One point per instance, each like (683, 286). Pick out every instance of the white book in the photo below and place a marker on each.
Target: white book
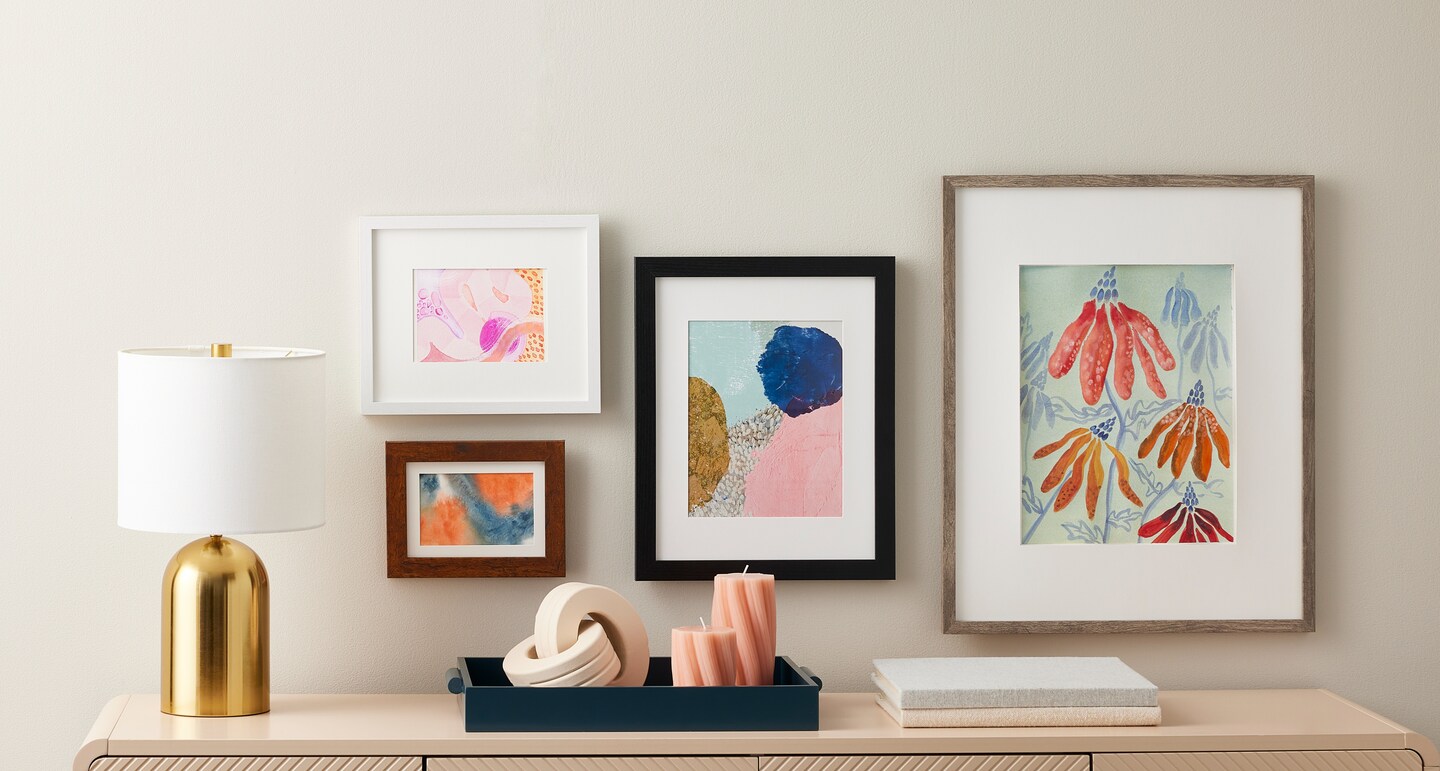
(953, 683)
(1020, 717)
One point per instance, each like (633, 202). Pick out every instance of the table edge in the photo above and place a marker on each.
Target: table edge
(102, 741)
(1422, 746)
(97, 741)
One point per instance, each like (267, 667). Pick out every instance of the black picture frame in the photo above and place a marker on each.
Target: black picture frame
(647, 270)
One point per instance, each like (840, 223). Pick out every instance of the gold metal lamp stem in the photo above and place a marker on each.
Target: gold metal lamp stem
(215, 627)
(215, 631)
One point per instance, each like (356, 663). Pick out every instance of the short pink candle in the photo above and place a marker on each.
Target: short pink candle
(702, 655)
(746, 603)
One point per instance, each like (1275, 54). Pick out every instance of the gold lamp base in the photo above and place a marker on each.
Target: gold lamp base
(215, 631)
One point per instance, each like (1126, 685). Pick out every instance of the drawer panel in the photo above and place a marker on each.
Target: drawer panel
(256, 764)
(926, 763)
(592, 764)
(1368, 760)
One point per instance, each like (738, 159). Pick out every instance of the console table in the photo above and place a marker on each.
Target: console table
(1204, 730)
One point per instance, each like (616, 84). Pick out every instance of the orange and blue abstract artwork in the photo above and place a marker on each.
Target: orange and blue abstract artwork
(477, 509)
(765, 419)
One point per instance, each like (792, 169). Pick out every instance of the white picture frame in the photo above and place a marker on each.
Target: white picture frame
(393, 248)
(1263, 579)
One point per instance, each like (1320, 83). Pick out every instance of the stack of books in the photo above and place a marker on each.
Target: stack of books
(1013, 692)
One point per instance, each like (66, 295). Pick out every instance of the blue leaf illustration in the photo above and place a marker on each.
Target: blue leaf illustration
(1083, 531)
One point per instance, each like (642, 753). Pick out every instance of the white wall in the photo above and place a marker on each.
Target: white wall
(188, 172)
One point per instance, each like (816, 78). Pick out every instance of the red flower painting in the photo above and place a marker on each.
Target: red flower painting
(1106, 438)
(1106, 332)
(1186, 520)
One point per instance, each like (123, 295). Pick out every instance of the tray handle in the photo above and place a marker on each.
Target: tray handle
(810, 674)
(453, 683)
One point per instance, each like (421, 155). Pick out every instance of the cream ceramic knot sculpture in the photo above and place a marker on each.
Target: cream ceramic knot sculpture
(585, 635)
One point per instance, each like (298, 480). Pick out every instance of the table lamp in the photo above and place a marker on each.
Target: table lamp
(219, 440)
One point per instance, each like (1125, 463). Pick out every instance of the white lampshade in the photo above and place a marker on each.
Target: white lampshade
(222, 445)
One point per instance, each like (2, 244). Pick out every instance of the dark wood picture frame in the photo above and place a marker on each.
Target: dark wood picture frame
(647, 270)
(400, 564)
(1306, 185)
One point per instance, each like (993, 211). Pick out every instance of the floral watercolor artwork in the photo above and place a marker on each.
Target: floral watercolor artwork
(477, 509)
(765, 419)
(485, 315)
(1127, 404)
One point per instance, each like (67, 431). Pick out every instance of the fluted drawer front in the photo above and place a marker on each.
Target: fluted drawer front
(256, 764)
(927, 763)
(591, 764)
(1369, 760)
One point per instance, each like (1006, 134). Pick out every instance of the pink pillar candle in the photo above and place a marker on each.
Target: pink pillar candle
(702, 655)
(746, 603)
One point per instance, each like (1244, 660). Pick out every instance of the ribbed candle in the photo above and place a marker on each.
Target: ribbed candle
(745, 602)
(702, 655)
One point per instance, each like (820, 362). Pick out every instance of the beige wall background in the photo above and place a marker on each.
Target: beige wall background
(176, 172)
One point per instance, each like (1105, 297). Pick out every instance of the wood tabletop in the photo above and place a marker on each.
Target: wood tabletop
(850, 723)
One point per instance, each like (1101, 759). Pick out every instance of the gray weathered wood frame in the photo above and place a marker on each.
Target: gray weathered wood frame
(1306, 185)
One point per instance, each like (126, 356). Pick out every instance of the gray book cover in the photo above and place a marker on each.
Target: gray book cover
(948, 683)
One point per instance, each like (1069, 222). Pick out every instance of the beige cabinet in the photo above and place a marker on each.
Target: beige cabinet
(1385, 760)
(257, 764)
(593, 764)
(1263, 730)
(927, 763)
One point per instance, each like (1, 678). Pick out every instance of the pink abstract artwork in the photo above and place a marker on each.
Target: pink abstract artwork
(799, 472)
(480, 315)
(765, 417)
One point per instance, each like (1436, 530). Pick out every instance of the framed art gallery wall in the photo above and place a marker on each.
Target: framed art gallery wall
(164, 185)
(1258, 230)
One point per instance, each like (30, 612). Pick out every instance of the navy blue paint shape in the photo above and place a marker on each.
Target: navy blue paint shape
(800, 369)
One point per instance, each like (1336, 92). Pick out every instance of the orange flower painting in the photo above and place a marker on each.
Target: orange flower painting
(1083, 460)
(1088, 432)
(1190, 426)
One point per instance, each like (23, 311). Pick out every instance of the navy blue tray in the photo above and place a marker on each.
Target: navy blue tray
(490, 703)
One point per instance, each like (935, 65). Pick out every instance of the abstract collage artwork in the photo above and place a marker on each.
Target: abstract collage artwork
(765, 432)
(477, 509)
(480, 315)
(765, 419)
(1127, 404)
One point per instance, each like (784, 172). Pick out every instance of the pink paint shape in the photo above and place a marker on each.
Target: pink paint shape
(799, 473)
(435, 354)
